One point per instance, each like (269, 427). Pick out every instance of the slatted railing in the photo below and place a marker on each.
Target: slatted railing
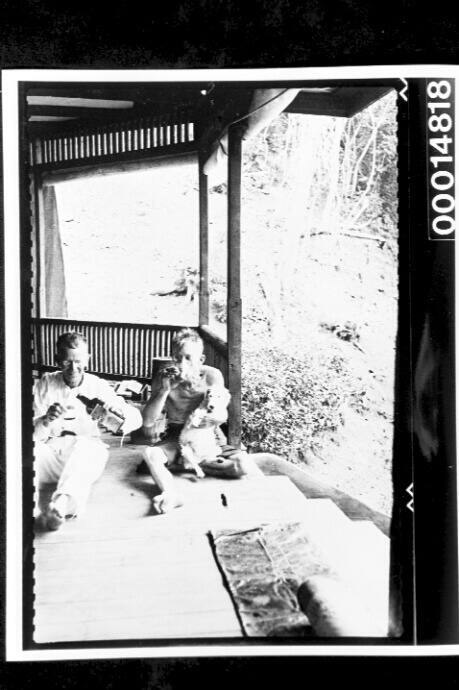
(118, 350)
(106, 141)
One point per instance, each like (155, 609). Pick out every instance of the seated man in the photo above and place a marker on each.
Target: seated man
(178, 391)
(68, 448)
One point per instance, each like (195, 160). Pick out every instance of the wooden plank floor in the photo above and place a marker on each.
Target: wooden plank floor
(122, 572)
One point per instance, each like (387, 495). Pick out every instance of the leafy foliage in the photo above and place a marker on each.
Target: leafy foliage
(289, 402)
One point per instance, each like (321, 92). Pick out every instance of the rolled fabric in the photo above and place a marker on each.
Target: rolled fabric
(333, 609)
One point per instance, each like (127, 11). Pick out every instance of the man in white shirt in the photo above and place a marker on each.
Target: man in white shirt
(68, 448)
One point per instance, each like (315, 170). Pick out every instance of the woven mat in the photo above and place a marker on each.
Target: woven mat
(263, 568)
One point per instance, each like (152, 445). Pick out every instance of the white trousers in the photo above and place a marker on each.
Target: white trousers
(74, 463)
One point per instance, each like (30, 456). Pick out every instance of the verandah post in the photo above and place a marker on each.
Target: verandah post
(203, 245)
(234, 315)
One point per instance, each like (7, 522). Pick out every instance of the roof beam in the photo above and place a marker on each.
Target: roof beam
(87, 118)
(74, 111)
(80, 102)
(159, 92)
(130, 161)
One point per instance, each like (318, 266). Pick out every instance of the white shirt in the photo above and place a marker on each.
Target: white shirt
(51, 388)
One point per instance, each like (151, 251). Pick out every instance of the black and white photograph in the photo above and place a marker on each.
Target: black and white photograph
(228, 377)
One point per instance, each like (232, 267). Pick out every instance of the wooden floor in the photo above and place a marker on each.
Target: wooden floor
(121, 572)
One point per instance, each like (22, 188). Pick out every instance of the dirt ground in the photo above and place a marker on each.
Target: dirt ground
(358, 457)
(128, 237)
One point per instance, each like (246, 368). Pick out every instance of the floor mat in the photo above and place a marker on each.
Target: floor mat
(263, 568)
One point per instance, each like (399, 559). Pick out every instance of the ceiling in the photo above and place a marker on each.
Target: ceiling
(58, 107)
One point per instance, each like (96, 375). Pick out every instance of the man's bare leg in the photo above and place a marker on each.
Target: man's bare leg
(169, 498)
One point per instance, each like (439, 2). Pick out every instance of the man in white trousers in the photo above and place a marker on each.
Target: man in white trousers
(68, 449)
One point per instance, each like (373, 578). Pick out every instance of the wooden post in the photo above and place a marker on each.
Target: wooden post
(41, 245)
(35, 191)
(38, 261)
(234, 316)
(203, 246)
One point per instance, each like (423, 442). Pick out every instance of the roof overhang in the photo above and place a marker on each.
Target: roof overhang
(52, 108)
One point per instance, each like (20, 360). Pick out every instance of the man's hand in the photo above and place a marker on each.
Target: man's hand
(170, 378)
(54, 412)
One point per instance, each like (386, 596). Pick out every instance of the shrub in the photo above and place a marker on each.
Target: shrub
(289, 402)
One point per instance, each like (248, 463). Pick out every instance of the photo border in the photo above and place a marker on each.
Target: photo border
(18, 297)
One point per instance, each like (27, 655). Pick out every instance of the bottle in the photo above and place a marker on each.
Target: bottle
(102, 413)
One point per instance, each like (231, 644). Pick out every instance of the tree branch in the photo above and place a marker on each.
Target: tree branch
(354, 235)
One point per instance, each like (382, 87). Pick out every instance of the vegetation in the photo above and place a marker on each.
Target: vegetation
(321, 216)
(288, 402)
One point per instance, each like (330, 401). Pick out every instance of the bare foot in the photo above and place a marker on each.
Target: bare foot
(57, 511)
(167, 501)
(52, 519)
